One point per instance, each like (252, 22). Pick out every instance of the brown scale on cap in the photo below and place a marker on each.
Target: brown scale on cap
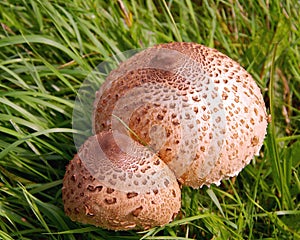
(194, 107)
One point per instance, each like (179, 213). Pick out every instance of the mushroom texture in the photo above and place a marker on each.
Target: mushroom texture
(190, 108)
(123, 192)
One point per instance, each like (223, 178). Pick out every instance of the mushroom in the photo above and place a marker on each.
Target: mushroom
(192, 107)
(123, 192)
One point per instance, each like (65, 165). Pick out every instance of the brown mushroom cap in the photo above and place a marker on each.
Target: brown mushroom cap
(209, 112)
(126, 197)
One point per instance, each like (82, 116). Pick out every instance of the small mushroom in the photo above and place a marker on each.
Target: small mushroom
(131, 194)
(192, 107)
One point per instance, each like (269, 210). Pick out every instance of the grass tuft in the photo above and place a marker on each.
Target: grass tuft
(47, 49)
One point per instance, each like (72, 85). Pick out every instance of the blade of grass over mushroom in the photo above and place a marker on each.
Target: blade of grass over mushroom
(131, 131)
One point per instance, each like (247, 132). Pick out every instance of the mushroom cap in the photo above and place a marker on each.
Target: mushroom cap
(139, 191)
(198, 109)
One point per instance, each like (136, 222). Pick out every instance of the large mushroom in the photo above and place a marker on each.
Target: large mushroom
(192, 107)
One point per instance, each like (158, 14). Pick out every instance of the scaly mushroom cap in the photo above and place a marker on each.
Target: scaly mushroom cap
(121, 190)
(200, 110)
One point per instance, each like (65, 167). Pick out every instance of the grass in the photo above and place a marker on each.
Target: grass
(47, 48)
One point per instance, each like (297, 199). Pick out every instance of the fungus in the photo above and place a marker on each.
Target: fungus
(121, 205)
(185, 113)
